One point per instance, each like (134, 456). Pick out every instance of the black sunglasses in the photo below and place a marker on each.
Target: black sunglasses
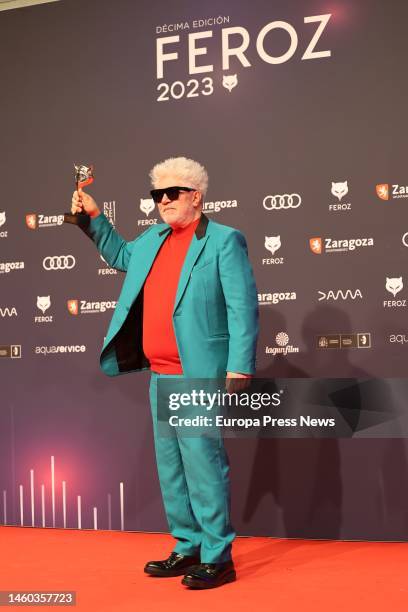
(171, 192)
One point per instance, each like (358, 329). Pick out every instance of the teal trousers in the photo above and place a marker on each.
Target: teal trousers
(194, 480)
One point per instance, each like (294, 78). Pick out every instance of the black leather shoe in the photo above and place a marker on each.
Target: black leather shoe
(210, 575)
(175, 565)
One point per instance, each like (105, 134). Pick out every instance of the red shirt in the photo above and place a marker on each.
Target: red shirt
(159, 340)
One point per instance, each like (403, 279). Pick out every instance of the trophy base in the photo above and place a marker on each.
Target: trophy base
(80, 219)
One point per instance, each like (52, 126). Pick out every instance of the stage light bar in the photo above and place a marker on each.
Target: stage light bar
(7, 5)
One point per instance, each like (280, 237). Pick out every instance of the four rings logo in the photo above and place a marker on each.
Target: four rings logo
(279, 202)
(59, 262)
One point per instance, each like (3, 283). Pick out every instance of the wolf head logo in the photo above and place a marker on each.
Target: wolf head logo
(2, 218)
(43, 303)
(146, 205)
(272, 243)
(394, 285)
(229, 81)
(339, 190)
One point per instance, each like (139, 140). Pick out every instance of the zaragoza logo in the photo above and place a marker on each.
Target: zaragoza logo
(31, 221)
(383, 191)
(316, 245)
(73, 307)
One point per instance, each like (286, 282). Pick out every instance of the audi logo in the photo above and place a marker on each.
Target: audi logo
(59, 262)
(279, 202)
(405, 239)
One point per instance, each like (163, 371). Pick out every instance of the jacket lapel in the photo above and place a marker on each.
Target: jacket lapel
(196, 246)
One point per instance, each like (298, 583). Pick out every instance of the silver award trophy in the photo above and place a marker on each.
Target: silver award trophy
(83, 176)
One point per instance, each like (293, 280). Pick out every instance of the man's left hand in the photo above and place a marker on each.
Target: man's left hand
(236, 381)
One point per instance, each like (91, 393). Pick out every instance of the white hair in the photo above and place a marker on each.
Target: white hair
(190, 173)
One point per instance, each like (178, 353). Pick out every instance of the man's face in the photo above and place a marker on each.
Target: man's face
(180, 212)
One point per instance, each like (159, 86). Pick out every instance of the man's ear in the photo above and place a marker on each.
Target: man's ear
(198, 198)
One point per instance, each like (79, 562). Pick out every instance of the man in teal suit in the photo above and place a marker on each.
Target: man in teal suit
(188, 308)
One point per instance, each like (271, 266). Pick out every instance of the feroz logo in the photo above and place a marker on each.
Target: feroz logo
(43, 304)
(272, 243)
(59, 262)
(146, 205)
(233, 47)
(316, 245)
(229, 81)
(339, 190)
(282, 202)
(73, 307)
(108, 271)
(394, 285)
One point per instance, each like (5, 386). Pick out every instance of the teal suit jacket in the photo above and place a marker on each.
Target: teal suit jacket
(215, 314)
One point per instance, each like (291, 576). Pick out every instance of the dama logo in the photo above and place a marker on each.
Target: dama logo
(31, 221)
(73, 307)
(316, 245)
(383, 191)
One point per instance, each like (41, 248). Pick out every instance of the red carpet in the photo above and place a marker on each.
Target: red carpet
(106, 571)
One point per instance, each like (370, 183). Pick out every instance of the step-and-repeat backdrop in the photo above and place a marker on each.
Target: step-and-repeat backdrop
(298, 111)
